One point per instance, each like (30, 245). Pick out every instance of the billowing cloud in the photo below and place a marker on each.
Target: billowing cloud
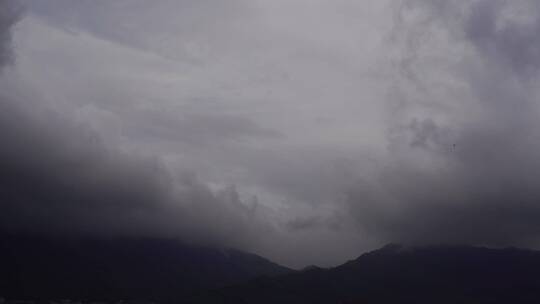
(306, 131)
(463, 153)
(82, 157)
(9, 14)
(59, 178)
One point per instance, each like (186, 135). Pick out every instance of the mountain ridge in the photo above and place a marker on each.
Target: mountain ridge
(398, 274)
(121, 268)
(170, 271)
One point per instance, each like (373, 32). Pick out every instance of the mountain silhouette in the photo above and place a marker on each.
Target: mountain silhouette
(398, 274)
(138, 269)
(170, 271)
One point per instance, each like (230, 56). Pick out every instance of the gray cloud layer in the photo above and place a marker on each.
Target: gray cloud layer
(466, 169)
(8, 16)
(410, 121)
(59, 178)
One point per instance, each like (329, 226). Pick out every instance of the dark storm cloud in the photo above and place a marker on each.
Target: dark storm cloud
(58, 178)
(307, 223)
(78, 106)
(9, 14)
(286, 107)
(471, 176)
(512, 43)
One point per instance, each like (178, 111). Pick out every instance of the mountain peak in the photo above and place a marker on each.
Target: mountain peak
(402, 274)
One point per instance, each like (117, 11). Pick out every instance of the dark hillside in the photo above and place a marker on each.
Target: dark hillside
(154, 269)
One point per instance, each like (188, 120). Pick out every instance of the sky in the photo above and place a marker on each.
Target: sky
(306, 131)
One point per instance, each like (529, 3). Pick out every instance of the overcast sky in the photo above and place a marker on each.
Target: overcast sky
(307, 131)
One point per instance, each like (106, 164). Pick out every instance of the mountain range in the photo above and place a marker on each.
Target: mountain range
(124, 268)
(399, 274)
(170, 271)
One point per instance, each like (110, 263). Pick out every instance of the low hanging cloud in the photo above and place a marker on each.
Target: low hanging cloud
(9, 15)
(412, 125)
(58, 178)
(463, 164)
(66, 170)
